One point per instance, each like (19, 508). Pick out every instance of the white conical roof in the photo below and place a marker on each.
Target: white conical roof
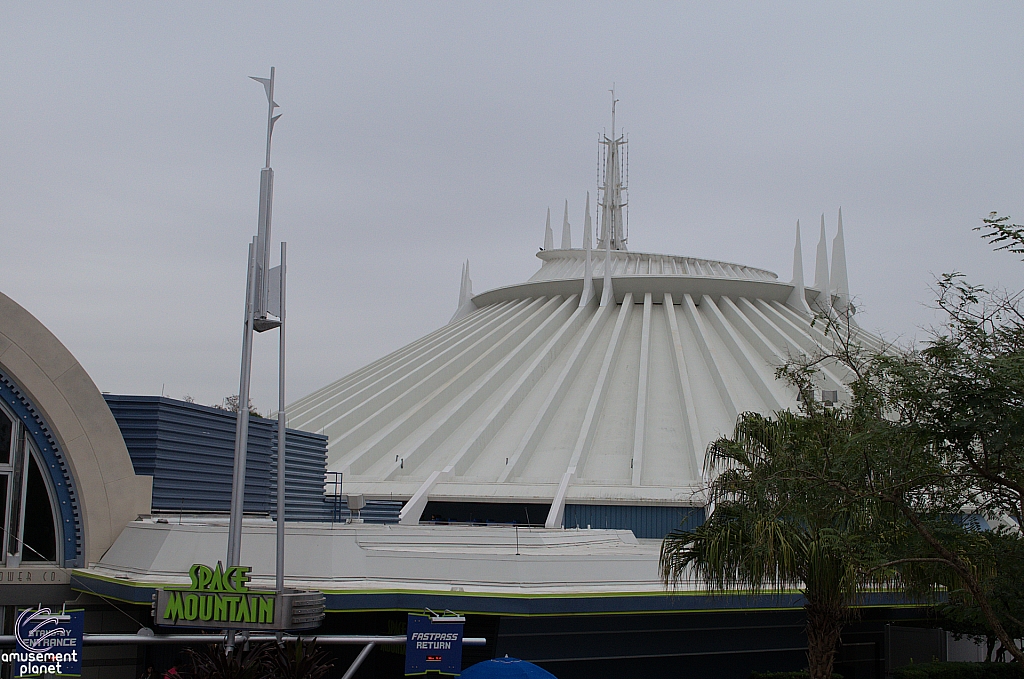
(534, 398)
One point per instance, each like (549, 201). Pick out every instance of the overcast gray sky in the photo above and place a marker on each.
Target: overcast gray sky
(416, 135)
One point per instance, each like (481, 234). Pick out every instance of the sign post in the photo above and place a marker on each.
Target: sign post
(433, 643)
(48, 643)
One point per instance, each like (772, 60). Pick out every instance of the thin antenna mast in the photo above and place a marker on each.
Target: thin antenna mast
(612, 225)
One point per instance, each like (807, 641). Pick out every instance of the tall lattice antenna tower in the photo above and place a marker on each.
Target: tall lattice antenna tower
(612, 189)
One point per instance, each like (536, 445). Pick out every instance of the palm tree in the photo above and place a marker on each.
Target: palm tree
(771, 530)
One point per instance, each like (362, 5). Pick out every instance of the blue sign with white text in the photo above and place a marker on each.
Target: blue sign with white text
(432, 645)
(48, 642)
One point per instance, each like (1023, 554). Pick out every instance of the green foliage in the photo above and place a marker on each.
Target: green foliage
(998, 231)
(230, 404)
(293, 660)
(772, 530)
(936, 446)
(959, 670)
(211, 662)
(892, 486)
(1005, 589)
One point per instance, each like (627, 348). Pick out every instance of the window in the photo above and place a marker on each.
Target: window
(28, 524)
(6, 429)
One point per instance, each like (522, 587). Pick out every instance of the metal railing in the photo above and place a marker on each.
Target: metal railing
(333, 487)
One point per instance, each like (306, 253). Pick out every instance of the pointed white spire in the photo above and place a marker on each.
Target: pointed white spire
(566, 233)
(798, 298)
(824, 299)
(607, 294)
(466, 305)
(840, 282)
(549, 238)
(588, 269)
(466, 291)
(587, 244)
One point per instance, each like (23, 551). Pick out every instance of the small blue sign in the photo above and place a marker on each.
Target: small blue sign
(433, 645)
(48, 642)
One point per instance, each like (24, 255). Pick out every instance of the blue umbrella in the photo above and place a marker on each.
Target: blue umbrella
(506, 668)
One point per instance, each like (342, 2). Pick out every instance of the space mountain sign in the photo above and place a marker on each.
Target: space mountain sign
(220, 598)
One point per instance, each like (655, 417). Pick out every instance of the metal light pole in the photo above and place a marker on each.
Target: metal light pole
(242, 421)
(265, 290)
(281, 431)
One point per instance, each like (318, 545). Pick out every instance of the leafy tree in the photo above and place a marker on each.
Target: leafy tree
(939, 436)
(883, 487)
(963, 617)
(230, 404)
(771, 530)
(998, 231)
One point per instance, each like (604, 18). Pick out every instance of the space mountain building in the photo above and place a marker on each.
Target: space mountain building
(520, 466)
(586, 395)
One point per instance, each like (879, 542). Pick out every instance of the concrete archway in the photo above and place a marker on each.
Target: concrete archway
(92, 462)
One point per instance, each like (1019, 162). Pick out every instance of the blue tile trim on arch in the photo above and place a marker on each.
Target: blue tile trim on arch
(54, 457)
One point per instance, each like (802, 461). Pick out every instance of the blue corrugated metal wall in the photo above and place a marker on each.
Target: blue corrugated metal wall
(189, 451)
(644, 520)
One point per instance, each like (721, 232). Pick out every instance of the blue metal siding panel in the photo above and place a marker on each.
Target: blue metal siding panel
(646, 521)
(189, 451)
(305, 475)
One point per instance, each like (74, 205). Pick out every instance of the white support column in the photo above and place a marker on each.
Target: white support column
(685, 392)
(364, 415)
(528, 442)
(305, 409)
(714, 369)
(424, 427)
(765, 387)
(340, 399)
(585, 439)
(396, 419)
(813, 340)
(781, 341)
(551, 333)
(607, 294)
(640, 424)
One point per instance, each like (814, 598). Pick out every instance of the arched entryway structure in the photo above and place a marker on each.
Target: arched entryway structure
(63, 448)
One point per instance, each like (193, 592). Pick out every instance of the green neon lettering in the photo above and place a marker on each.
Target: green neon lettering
(266, 609)
(193, 574)
(232, 607)
(191, 606)
(220, 580)
(240, 578)
(220, 609)
(206, 577)
(174, 610)
(245, 613)
(206, 606)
